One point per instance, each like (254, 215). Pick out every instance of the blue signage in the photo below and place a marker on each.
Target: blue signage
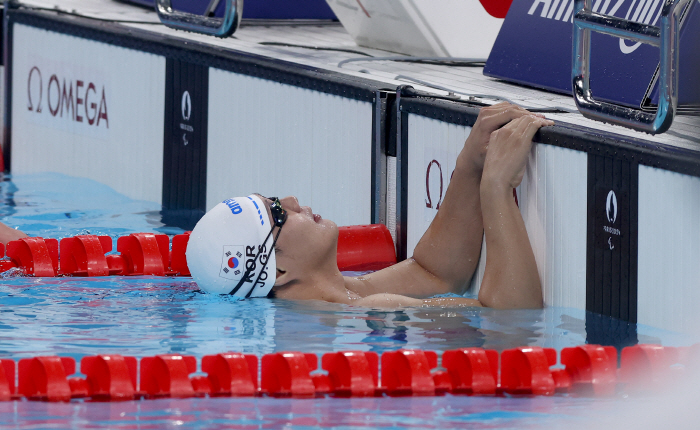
(534, 48)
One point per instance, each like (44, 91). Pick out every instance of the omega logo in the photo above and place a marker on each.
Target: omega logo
(611, 207)
(29, 89)
(186, 106)
(73, 100)
(429, 201)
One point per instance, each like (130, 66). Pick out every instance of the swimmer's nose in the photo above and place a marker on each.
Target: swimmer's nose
(290, 203)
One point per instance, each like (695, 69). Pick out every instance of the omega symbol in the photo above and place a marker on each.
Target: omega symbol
(611, 207)
(31, 106)
(186, 106)
(429, 201)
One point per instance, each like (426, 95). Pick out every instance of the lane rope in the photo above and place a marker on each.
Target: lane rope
(586, 370)
(360, 248)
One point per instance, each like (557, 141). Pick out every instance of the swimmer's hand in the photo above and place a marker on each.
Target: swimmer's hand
(508, 151)
(490, 119)
(8, 234)
(393, 301)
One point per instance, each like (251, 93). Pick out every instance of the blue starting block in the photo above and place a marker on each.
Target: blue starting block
(534, 48)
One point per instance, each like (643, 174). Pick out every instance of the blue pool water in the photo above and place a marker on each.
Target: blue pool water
(144, 316)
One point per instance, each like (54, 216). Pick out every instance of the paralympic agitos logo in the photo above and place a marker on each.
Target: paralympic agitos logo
(71, 99)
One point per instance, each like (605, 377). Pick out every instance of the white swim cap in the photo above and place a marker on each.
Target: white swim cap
(226, 241)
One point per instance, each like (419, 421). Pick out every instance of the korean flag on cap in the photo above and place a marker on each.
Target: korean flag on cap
(232, 262)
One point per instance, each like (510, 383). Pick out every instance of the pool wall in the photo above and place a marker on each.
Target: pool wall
(620, 243)
(611, 218)
(669, 248)
(552, 197)
(173, 117)
(75, 113)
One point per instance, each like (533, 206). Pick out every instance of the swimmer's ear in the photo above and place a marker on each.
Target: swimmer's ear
(282, 276)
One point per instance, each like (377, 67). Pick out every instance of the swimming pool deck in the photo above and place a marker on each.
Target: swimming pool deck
(327, 45)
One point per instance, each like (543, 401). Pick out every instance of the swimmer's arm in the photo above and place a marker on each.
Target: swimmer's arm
(407, 278)
(392, 301)
(8, 234)
(447, 255)
(451, 246)
(510, 276)
(510, 279)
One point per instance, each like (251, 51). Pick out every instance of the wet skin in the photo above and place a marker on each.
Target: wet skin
(478, 201)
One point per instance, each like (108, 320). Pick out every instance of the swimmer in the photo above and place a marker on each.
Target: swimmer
(257, 246)
(8, 234)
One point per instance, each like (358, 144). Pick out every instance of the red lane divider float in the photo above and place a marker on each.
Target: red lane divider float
(167, 375)
(35, 255)
(178, 262)
(591, 368)
(44, 378)
(289, 374)
(85, 256)
(525, 370)
(110, 377)
(588, 370)
(7, 380)
(231, 374)
(360, 248)
(365, 247)
(406, 372)
(472, 370)
(352, 373)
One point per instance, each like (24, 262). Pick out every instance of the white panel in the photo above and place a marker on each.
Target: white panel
(553, 201)
(433, 147)
(281, 140)
(431, 144)
(116, 139)
(668, 284)
(391, 196)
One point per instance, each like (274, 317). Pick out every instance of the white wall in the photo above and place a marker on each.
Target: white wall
(429, 140)
(281, 140)
(669, 250)
(553, 201)
(126, 150)
(391, 196)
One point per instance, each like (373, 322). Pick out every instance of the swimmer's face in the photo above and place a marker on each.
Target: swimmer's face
(306, 242)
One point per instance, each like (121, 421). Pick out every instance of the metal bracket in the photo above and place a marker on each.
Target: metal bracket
(666, 37)
(205, 24)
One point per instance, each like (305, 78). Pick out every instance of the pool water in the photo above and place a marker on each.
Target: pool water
(144, 316)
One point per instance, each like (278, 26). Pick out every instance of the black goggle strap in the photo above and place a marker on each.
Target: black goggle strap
(267, 258)
(248, 270)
